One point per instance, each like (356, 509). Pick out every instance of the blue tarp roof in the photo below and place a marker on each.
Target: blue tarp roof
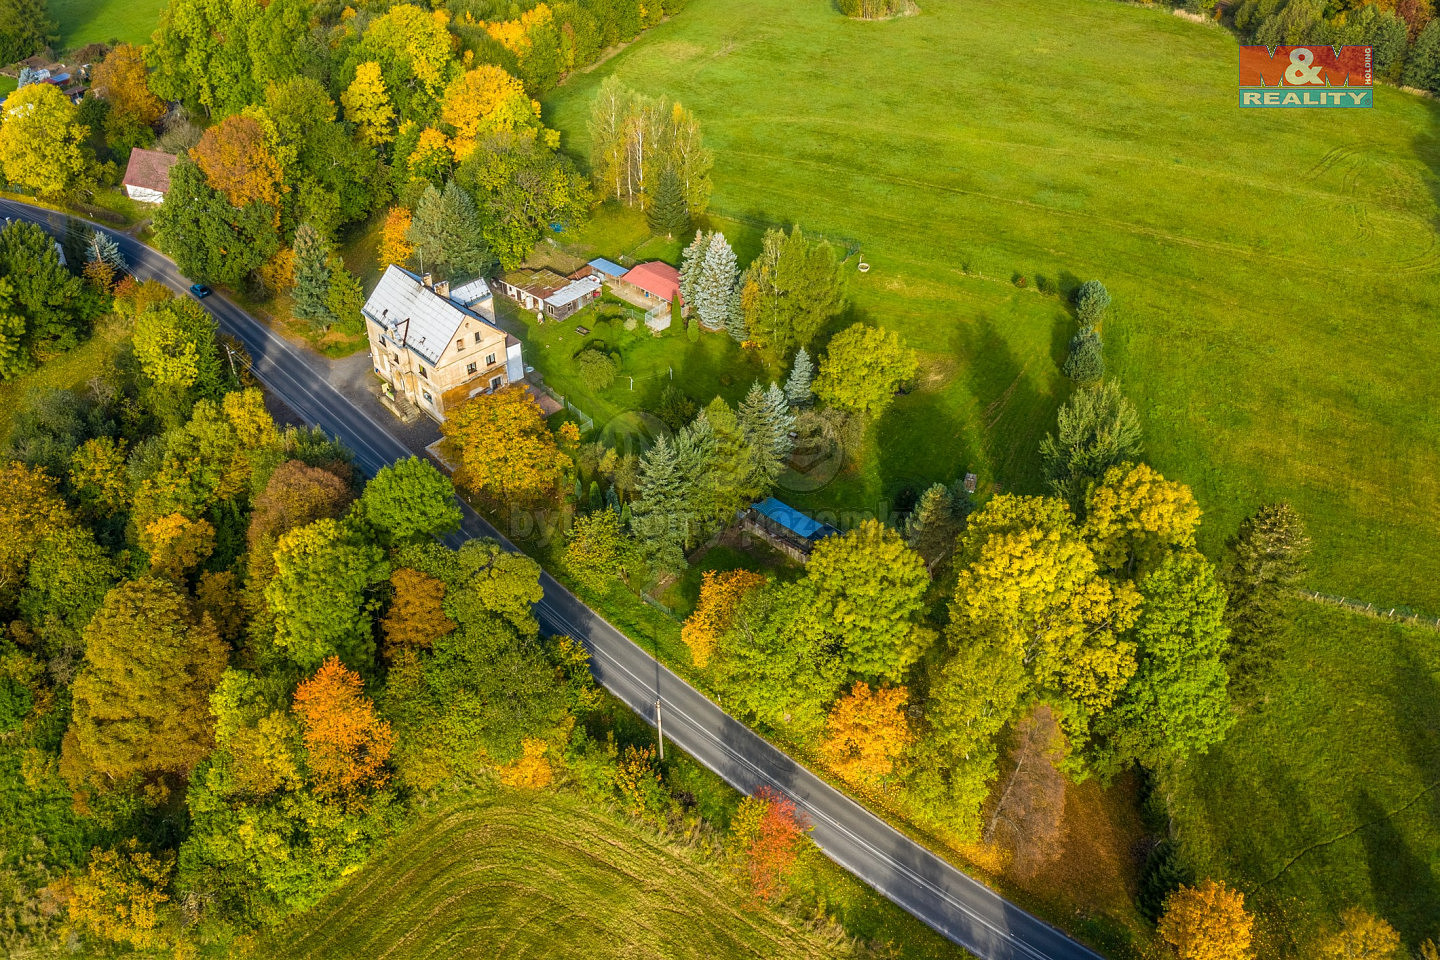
(793, 520)
(607, 267)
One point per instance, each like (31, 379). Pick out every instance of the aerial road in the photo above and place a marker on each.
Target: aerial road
(960, 908)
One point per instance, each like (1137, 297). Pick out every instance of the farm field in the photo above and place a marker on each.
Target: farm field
(538, 875)
(100, 21)
(1273, 271)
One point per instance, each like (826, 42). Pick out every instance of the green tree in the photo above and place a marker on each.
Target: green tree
(791, 291)
(776, 662)
(312, 278)
(447, 233)
(1263, 562)
(346, 298)
(211, 241)
(322, 572)
(49, 307)
(862, 369)
(43, 147)
(669, 214)
(411, 500)
(766, 423)
(661, 518)
(1091, 302)
(521, 187)
(141, 700)
(714, 283)
(1176, 704)
(870, 592)
(933, 525)
(802, 372)
(1085, 363)
(25, 28)
(599, 551)
(69, 576)
(1097, 429)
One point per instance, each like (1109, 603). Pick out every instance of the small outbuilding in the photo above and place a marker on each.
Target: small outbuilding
(147, 176)
(547, 292)
(785, 528)
(654, 280)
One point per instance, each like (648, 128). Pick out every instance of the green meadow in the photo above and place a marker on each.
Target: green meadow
(100, 21)
(1275, 272)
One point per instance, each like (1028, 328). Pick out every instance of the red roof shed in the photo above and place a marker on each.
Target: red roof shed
(656, 278)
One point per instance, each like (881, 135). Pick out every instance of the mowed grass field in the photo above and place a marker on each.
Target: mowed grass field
(1275, 273)
(100, 21)
(537, 875)
(1327, 795)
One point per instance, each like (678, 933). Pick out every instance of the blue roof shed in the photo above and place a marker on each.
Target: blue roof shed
(793, 520)
(611, 269)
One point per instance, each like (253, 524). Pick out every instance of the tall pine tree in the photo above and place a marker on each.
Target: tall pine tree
(668, 213)
(716, 283)
(692, 262)
(311, 292)
(448, 234)
(766, 422)
(660, 519)
(802, 373)
(735, 317)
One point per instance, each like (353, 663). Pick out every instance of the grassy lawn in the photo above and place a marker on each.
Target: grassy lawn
(92, 21)
(68, 371)
(1271, 356)
(544, 875)
(1328, 794)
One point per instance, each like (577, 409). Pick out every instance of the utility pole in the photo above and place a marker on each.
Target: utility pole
(231, 354)
(659, 730)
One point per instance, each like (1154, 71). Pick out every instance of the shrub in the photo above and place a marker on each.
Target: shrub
(876, 9)
(597, 369)
(1086, 363)
(1091, 301)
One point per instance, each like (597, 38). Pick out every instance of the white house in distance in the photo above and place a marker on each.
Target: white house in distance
(438, 347)
(147, 175)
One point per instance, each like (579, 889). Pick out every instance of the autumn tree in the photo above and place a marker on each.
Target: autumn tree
(68, 578)
(1028, 814)
(790, 291)
(720, 593)
(367, 105)
(1207, 922)
(409, 500)
(416, 616)
(239, 164)
(866, 732)
(122, 79)
(505, 451)
(395, 245)
(1097, 429)
(42, 143)
(141, 700)
(176, 544)
(1362, 936)
(486, 100)
(1263, 561)
(317, 597)
(767, 834)
(31, 511)
(1134, 517)
(346, 742)
(521, 187)
(862, 368)
(210, 240)
(599, 551)
(413, 47)
(296, 494)
(120, 897)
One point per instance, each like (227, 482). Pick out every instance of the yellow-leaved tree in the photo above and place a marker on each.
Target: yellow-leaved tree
(1362, 936)
(487, 100)
(367, 105)
(865, 732)
(1134, 517)
(505, 451)
(42, 146)
(1207, 922)
(395, 245)
(720, 592)
(121, 895)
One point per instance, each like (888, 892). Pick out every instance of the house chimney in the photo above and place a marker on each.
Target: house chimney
(442, 289)
(427, 281)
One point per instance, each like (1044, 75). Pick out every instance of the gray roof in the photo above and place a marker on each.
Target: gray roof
(400, 296)
(468, 293)
(571, 292)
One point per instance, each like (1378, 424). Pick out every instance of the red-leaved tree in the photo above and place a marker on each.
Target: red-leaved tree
(766, 837)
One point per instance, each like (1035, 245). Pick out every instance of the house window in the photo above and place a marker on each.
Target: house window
(423, 374)
(477, 338)
(394, 358)
(495, 383)
(460, 344)
(469, 368)
(428, 399)
(490, 360)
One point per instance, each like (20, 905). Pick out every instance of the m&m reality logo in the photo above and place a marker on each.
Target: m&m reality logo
(1306, 77)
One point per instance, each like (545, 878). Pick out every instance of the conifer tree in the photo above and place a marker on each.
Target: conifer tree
(692, 262)
(447, 233)
(102, 248)
(766, 422)
(1422, 67)
(668, 214)
(716, 283)
(312, 278)
(660, 520)
(932, 526)
(802, 372)
(735, 315)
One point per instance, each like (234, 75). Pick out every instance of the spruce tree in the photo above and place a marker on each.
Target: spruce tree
(692, 262)
(1422, 69)
(933, 525)
(782, 421)
(766, 430)
(668, 213)
(1086, 362)
(448, 234)
(102, 248)
(735, 316)
(659, 520)
(1097, 428)
(1091, 302)
(715, 283)
(1265, 559)
(311, 292)
(694, 458)
(802, 372)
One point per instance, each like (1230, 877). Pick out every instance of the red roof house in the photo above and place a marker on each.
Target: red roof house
(655, 280)
(147, 177)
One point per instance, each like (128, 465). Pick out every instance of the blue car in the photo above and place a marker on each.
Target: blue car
(199, 290)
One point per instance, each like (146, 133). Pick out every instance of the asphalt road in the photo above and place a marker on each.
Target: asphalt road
(962, 909)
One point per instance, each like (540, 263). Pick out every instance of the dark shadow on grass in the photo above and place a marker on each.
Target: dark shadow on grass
(921, 442)
(1013, 414)
(1404, 884)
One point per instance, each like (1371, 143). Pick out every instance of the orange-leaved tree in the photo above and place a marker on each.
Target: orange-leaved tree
(486, 100)
(720, 593)
(122, 80)
(239, 163)
(865, 731)
(505, 451)
(766, 837)
(1362, 936)
(395, 245)
(1207, 922)
(346, 741)
(416, 618)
